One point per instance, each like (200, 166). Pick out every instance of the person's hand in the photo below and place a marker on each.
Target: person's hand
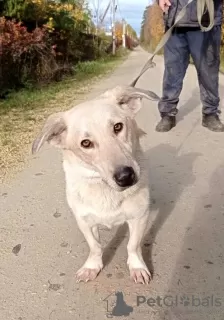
(164, 5)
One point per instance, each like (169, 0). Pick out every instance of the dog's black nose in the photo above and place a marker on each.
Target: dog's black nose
(125, 176)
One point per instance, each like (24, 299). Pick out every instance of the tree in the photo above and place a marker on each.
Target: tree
(131, 32)
(118, 30)
(152, 27)
(143, 24)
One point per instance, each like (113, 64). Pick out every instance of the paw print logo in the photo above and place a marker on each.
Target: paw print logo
(184, 300)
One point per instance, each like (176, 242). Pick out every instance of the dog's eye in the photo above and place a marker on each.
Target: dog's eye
(86, 143)
(118, 127)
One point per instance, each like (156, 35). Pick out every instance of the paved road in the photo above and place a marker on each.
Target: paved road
(41, 247)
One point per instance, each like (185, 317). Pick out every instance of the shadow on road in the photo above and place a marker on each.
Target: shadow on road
(201, 284)
(113, 245)
(188, 106)
(170, 174)
(194, 102)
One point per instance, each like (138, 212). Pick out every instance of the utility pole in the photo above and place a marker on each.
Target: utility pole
(97, 18)
(124, 33)
(113, 27)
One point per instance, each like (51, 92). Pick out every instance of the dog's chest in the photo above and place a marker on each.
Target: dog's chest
(106, 207)
(106, 220)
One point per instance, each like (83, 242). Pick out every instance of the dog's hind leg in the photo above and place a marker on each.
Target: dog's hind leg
(93, 264)
(138, 269)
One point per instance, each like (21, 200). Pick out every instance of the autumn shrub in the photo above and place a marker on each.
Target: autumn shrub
(43, 55)
(24, 56)
(67, 28)
(67, 25)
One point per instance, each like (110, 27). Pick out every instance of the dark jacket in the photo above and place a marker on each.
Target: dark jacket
(190, 18)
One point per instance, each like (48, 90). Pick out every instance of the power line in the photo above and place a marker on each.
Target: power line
(118, 5)
(105, 13)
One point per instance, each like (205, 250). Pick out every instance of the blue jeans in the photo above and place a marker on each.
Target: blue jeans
(204, 48)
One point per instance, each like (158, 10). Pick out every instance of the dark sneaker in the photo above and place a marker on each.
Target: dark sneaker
(166, 124)
(213, 123)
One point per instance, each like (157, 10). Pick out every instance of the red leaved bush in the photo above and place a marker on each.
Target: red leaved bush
(24, 55)
(16, 40)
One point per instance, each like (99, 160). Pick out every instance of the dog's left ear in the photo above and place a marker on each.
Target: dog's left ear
(130, 98)
(53, 132)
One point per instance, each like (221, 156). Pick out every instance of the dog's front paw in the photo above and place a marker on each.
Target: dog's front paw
(87, 274)
(140, 275)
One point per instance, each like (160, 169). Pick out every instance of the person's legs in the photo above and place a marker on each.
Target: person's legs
(176, 58)
(205, 52)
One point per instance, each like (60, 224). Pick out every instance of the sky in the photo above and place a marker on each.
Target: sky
(130, 10)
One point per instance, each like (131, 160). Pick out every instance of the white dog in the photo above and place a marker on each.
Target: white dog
(105, 171)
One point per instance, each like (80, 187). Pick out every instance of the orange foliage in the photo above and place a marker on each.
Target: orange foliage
(152, 25)
(156, 24)
(118, 30)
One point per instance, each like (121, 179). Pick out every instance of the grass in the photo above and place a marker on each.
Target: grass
(23, 112)
(29, 99)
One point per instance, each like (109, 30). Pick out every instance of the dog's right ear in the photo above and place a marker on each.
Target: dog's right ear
(130, 98)
(53, 132)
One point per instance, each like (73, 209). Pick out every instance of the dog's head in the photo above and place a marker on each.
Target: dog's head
(101, 134)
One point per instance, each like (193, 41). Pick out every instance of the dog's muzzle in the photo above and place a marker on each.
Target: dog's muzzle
(125, 177)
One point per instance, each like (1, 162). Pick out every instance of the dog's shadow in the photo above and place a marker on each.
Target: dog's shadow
(113, 245)
(170, 174)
